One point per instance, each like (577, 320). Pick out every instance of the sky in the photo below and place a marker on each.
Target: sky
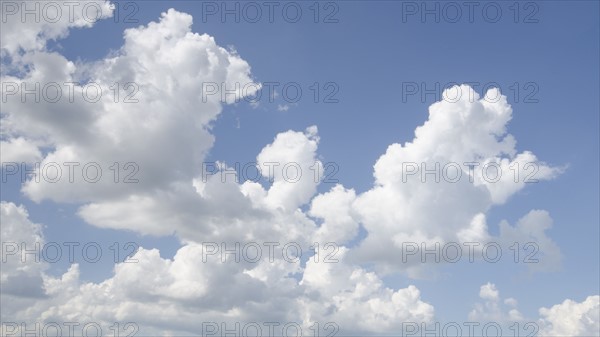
(312, 129)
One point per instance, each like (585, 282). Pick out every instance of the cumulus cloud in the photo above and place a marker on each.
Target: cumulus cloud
(295, 180)
(166, 296)
(358, 300)
(434, 188)
(19, 150)
(216, 207)
(493, 309)
(335, 208)
(571, 318)
(29, 26)
(197, 283)
(538, 251)
(164, 127)
(21, 274)
(162, 139)
(168, 130)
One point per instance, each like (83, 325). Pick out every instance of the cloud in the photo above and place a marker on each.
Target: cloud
(218, 208)
(489, 292)
(175, 292)
(493, 310)
(162, 141)
(23, 32)
(21, 274)
(417, 196)
(539, 251)
(357, 299)
(19, 150)
(297, 172)
(164, 65)
(571, 318)
(335, 208)
(165, 137)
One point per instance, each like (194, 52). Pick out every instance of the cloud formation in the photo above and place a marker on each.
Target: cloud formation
(167, 133)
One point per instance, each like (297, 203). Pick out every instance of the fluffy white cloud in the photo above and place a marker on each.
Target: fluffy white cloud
(493, 310)
(27, 26)
(168, 295)
(536, 248)
(166, 67)
(297, 172)
(166, 134)
(431, 190)
(359, 300)
(335, 208)
(489, 292)
(218, 208)
(19, 150)
(571, 318)
(20, 274)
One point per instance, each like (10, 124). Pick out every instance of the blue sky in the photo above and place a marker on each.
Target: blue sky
(370, 55)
